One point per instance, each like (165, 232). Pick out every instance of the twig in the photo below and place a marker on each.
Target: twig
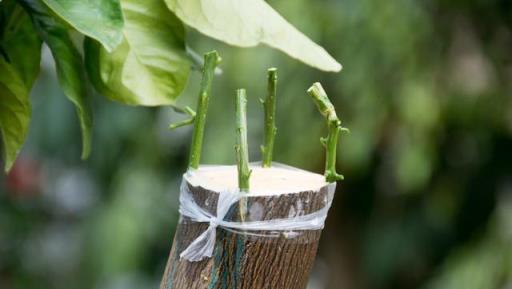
(241, 148)
(269, 106)
(211, 59)
(334, 125)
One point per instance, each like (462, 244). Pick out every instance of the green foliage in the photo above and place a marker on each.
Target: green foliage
(19, 66)
(150, 66)
(250, 24)
(98, 19)
(19, 43)
(14, 112)
(70, 68)
(134, 51)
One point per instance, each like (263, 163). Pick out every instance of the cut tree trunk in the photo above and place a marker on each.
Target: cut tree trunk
(242, 261)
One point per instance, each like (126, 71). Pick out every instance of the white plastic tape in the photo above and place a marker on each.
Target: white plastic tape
(203, 246)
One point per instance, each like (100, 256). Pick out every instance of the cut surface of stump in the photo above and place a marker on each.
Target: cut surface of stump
(258, 259)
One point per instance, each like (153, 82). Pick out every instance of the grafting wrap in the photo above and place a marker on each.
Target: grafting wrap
(203, 246)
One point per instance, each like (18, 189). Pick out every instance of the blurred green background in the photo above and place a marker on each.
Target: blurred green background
(427, 200)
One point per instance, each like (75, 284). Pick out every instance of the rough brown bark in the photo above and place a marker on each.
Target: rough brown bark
(244, 261)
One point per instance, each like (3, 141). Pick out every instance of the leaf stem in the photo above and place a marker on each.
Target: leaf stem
(187, 110)
(211, 59)
(242, 152)
(269, 106)
(330, 143)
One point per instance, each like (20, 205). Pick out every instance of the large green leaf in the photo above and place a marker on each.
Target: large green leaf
(150, 67)
(14, 112)
(68, 61)
(97, 59)
(19, 44)
(248, 23)
(20, 54)
(98, 19)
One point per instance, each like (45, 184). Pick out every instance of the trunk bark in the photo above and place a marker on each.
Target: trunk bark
(246, 261)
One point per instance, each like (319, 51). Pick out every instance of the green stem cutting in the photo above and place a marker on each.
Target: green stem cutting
(211, 60)
(324, 105)
(269, 107)
(241, 148)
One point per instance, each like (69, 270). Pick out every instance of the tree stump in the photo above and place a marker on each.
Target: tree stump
(243, 261)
